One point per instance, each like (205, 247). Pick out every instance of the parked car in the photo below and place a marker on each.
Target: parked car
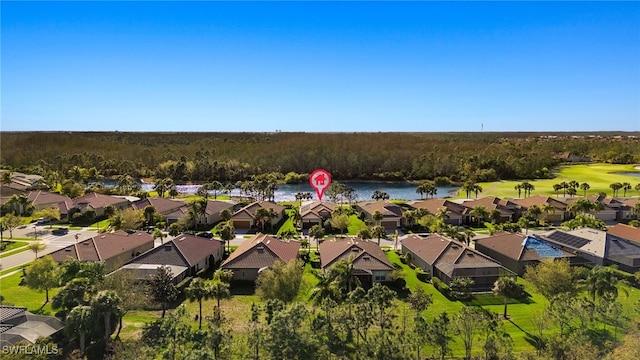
(60, 231)
(206, 234)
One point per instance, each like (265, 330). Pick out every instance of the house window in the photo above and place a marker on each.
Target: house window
(380, 278)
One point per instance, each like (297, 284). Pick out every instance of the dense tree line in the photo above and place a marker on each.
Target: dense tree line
(231, 157)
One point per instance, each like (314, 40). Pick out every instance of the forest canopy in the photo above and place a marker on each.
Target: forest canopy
(228, 157)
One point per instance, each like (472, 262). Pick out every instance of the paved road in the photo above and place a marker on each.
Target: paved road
(52, 242)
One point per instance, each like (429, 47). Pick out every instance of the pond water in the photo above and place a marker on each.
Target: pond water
(364, 190)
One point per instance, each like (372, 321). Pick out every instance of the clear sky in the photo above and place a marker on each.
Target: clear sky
(325, 66)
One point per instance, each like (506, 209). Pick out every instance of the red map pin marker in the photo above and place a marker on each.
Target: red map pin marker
(320, 180)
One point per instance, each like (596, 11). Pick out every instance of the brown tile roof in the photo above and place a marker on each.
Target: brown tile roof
(506, 207)
(540, 200)
(314, 209)
(253, 207)
(162, 205)
(366, 255)
(446, 254)
(387, 208)
(427, 248)
(435, 204)
(103, 247)
(40, 197)
(196, 248)
(520, 247)
(261, 251)
(215, 206)
(96, 201)
(626, 232)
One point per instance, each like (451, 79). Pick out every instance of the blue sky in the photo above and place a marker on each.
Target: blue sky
(326, 66)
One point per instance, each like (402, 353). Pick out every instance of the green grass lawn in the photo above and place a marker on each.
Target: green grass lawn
(101, 225)
(20, 295)
(598, 176)
(14, 247)
(355, 225)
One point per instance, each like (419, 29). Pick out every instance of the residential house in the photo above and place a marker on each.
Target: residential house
(246, 218)
(370, 263)
(113, 249)
(626, 232)
(597, 246)
(215, 207)
(316, 213)
(507, 208)
(171, 210)
(185, 255)
(458, 214)
(259, 253)
(391, 213)
(629, 209)
(446, 259)
(98, 202)
(516, 251)
(19, 325)
(43, 200)
(558, 208)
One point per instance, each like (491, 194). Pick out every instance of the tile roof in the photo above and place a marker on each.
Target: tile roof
(366, 255)
(522, 248)
(251, 209)
(21, 325)
(626, 232)
(261, 251)
(216, 206)
(314, 209)
(96, 201)
(387, 208)
(162, 205)
(445, 254)
(104, 246)
(435, 204)
(540, 200)
(165, 254)
(196, 248)
(40, 197)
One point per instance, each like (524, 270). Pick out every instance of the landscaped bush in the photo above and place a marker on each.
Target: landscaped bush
(441, 286)
(422, 275)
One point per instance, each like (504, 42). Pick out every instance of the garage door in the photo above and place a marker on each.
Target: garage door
(242, 224)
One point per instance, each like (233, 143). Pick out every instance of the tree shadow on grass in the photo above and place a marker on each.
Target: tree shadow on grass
(491, 299)
(242, 288)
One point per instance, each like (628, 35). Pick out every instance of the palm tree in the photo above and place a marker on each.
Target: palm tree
(637, 187)
(364, 233)
(564, 186)
(572, 191)
(198, 291)
(548, 209)
(316, 232)
(602, 283)
(625, 186)
(264, 215)
(585, 186)
(468, 187)
(215, 186)
(377, 217)
(378, 232)
(468, 235)
(158, 234)
(480, 213)
(149, 211)
(527, 187)
(344, 275)
(219, 290)
(573, 184)
(556, 188)
(107, 303)
(443, 214)
(227, 233)
(80, 320)
(380, 195)
(495, 215)
(36, 246)
(508, 288)
(477, 189)
(519, 188)
(615, 187)
(326, 288)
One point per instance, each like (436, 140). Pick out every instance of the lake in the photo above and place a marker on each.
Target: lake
(364, 190)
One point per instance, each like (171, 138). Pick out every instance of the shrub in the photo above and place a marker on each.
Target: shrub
(441, 286)
(422, 275)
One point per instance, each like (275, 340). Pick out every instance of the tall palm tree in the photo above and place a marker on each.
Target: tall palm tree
(625, 186)
(519, 188)
(468, 187)
(149, 211)
(468, 234)
(602, 283)
(227, 233)
(508, 288)
(564, 187)
(80, 321)
(219, 290)
(107, 303)
(377, 217)
(480, 213)
(557, 188)
(326, 288)
(378, 232)
(548, 209)
(344, 275)
(615, 187)
(316, 232)
(443, 214)
(585, 186)
(264, 215)
(477, 189)
(637, 187)
(198, 291)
